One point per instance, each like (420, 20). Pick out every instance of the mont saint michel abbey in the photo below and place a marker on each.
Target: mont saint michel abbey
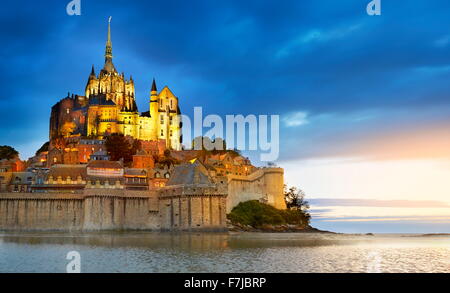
(109, 106)
(72, 183)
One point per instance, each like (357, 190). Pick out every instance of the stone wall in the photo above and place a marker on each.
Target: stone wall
(192, 208)
(265, 184)
(94, 210)
(23, 212)
(170, 208)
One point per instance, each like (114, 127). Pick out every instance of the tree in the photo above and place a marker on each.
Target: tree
(295, 200)
(136, 146)
(7, 152)
(118, 147)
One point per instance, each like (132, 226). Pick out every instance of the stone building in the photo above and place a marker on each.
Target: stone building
(105, 175)
(143, 160)
(60, 178)
(100, 156)
(191, 200)
(20, 182)
(160, 175)
(136, 179)
(109, 106)
(88, 147)
(230, 164)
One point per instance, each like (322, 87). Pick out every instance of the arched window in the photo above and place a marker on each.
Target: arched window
(167, 175)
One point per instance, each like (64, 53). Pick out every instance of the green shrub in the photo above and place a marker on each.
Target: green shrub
(256, 214)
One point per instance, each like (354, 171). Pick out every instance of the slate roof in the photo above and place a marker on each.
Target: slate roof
(135, 172)
(190, 173)
(65, 170)
(105, 164)
(145, 114)
(100, 100)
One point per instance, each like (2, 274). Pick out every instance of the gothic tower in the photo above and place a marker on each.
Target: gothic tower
(111, 83)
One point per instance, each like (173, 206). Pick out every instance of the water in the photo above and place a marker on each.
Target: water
(232, 252)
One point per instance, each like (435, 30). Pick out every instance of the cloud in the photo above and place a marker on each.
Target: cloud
(295, 119)
(437, 219)
(370, 135)
(362, 202)
(315, 36)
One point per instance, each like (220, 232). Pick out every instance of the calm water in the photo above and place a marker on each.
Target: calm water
(234, 252)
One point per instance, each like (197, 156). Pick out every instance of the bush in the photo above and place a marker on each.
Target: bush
(256, 214)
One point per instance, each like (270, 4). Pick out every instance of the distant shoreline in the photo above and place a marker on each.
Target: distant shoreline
(429, 235)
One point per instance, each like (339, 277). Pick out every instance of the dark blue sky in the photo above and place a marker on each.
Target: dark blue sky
(323, 61)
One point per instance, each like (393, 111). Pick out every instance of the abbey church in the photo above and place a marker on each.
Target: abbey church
(109, 106)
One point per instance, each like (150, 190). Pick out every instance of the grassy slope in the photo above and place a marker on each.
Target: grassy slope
(255, 214)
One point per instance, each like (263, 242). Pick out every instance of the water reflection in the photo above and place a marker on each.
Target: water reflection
(224, 252)
(184, 241)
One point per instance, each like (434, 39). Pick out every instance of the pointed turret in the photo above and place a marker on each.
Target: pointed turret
(92, 75)
(154, 105)
(154, 86)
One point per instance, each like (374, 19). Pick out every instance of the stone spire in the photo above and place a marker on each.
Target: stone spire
(109, 66)
(108, 51)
